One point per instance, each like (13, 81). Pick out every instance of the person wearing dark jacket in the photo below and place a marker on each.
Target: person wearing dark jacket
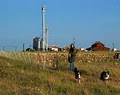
(72, 56)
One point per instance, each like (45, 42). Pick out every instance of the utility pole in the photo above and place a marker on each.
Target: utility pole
(113, 45)
(23, 47)
(74, 40)
(46, 38)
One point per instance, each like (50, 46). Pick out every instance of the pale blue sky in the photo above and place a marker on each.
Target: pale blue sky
(86, 20)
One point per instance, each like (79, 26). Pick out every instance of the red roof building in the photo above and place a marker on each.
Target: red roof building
(98, 46)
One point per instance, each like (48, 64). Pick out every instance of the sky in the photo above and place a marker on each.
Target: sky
(86, 21)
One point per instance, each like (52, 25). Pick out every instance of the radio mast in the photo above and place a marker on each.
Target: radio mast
(44, 31)
(43, 28)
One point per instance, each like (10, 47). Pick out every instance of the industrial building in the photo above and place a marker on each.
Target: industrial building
(41, 43)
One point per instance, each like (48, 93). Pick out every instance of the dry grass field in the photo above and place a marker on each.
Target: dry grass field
(19, 77)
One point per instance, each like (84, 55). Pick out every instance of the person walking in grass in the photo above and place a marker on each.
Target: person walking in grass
(72, 56)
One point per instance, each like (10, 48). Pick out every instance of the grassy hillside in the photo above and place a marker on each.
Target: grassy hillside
(22, 78)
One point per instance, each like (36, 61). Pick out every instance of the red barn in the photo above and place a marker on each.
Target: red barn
(98, 46)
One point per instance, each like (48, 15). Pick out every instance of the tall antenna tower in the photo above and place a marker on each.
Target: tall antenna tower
(44, 31)
(43, 28)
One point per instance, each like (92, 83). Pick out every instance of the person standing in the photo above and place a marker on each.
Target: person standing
(72, 56)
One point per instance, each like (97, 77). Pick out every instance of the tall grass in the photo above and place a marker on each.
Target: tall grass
(18, 77)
